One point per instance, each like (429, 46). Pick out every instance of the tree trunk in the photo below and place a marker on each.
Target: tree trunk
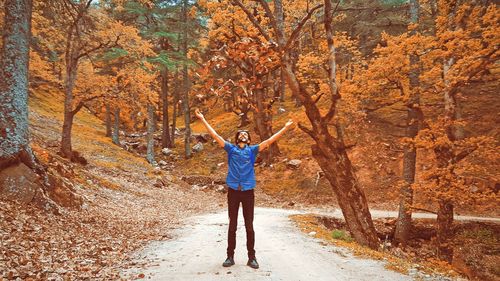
(116, 129)
(14, 65)
(282, 85)
(263, 122)
(165, 136)
(444, 227)
(339, 171)
(403, 224)
(244, 107)
(69, 81)
(108, 121)
(444, 154)
(185, 84)
(174, 108)
(22, 177)
(444, 219)
(150, 154)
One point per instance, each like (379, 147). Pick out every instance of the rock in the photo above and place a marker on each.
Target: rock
(201, 137)
(62, 192)
(413, 271)
(162, 163)
(220, 164)
(294, 163)
(220, 188)
(168, 178)
(281, 110)
(159, 183)
(142, 148)
(198, 147)
(167, 151)
(18, 182)
(157, 171)
(53, 143)
(312, 233)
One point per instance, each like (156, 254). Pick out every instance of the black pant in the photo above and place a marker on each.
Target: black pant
(234, 197)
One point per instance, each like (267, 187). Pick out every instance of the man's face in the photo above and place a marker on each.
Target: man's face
(243, 137)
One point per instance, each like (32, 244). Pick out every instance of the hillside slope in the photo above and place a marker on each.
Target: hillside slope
(121, 208)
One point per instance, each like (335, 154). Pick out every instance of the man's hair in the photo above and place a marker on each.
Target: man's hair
(238, 134)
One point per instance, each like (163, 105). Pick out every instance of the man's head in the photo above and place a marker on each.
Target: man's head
(242, 136)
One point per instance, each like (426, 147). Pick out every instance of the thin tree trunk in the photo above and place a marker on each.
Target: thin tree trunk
(403, 225)
(66, 143)
(282, 85)
(262, 120)
(165, 136)
(14, 65)
(116, 129)
(174, 113)
(150, 154)
(108, 121)
(185, 90)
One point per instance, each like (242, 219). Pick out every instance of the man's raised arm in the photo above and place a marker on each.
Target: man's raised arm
(265, 144)
(211, 130)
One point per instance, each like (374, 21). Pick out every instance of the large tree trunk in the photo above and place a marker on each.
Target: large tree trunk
(22, 177)
(339, 171)
(403, 225)
(14, 61)
(116, 129)
(108, 121)
(150, 154)
(165, 136)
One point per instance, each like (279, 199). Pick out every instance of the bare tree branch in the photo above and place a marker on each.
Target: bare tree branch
(252, 19)
(296, 31)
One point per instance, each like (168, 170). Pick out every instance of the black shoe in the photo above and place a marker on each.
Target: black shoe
(228, 262)
(252, 262)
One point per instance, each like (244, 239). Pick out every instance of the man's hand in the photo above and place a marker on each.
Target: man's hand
(199, 114)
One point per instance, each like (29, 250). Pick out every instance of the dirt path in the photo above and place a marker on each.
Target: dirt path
(284, 253)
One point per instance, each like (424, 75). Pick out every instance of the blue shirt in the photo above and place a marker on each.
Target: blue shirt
(240, 165)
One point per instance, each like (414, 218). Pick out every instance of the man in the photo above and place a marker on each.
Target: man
(241, 182)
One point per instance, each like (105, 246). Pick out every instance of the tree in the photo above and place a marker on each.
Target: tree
(414, 113)
(81, 42)
(468, 35)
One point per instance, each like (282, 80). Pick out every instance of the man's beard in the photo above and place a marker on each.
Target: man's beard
(243, 140)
